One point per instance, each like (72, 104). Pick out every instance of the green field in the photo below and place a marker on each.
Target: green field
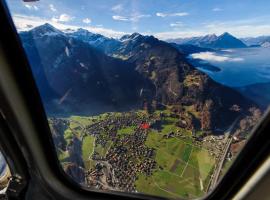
(87, 150)
(126, 131)
(183, 168)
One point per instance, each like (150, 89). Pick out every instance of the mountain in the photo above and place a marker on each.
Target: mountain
(266, 44)
(201, 41)
(223, 41)
(226, 40)
(258, 41)
(78, 77)
(108, 45)
(179, 83)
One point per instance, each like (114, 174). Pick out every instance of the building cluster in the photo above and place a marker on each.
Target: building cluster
(126, 158)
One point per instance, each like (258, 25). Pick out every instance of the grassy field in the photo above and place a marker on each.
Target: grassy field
(126, 131)
(87, 150)
(183, 168)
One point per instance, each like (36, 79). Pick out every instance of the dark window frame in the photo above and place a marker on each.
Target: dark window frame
(38, 152)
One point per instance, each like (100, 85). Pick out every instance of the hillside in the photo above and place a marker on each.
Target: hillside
(75, 77)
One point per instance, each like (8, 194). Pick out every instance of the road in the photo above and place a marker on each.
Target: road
(216, 175)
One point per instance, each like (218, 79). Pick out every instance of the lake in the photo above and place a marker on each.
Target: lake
(239, 67)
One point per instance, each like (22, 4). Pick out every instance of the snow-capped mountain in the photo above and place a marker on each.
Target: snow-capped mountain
(44, 30)
(252, 41)
(96, 40)
(225, 40)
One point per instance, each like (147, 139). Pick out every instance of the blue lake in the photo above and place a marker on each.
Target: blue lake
(239, 67)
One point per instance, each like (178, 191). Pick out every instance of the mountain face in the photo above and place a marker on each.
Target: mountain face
(223, 41)
(108, 45)
(78, 76)
(177, 82)
(73, 73)
(226, 40)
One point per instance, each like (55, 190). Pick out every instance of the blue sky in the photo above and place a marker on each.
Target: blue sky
(162, 18)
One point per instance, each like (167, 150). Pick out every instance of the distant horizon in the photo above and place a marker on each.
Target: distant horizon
(162, 19)
(67, 30)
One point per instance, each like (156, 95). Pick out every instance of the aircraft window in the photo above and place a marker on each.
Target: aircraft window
(155, 97)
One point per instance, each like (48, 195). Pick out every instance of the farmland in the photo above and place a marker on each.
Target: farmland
(140, 152)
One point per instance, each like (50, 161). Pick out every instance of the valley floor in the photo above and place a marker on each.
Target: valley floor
(142, 152)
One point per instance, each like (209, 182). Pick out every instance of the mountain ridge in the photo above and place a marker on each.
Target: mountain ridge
(141, 70)
(225, 40)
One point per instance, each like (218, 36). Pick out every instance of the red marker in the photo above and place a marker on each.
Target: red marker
(144, 126)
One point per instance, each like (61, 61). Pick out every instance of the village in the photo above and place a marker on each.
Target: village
(127, 156)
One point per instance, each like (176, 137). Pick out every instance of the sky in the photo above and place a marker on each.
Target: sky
(165, 19)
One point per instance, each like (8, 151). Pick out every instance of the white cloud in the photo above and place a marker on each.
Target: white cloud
(137, 17)
(31, 7)
(180, 14)
(217, 9)
(161, 14)
(211, 56)
(177, 24)
(133, 18)
(52, 8)
(87, 20)
(63, 18)
(24, 22)
(117, 8)
(120, 18)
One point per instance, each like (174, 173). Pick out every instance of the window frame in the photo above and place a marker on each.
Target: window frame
(30, 135)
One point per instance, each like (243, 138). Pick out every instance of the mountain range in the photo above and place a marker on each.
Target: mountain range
(263, 41)
(223, 41)
(88, 73)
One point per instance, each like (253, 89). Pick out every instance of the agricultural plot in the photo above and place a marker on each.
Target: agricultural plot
(183, 168)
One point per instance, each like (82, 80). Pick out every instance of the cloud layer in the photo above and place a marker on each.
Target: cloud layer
(211, 56)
